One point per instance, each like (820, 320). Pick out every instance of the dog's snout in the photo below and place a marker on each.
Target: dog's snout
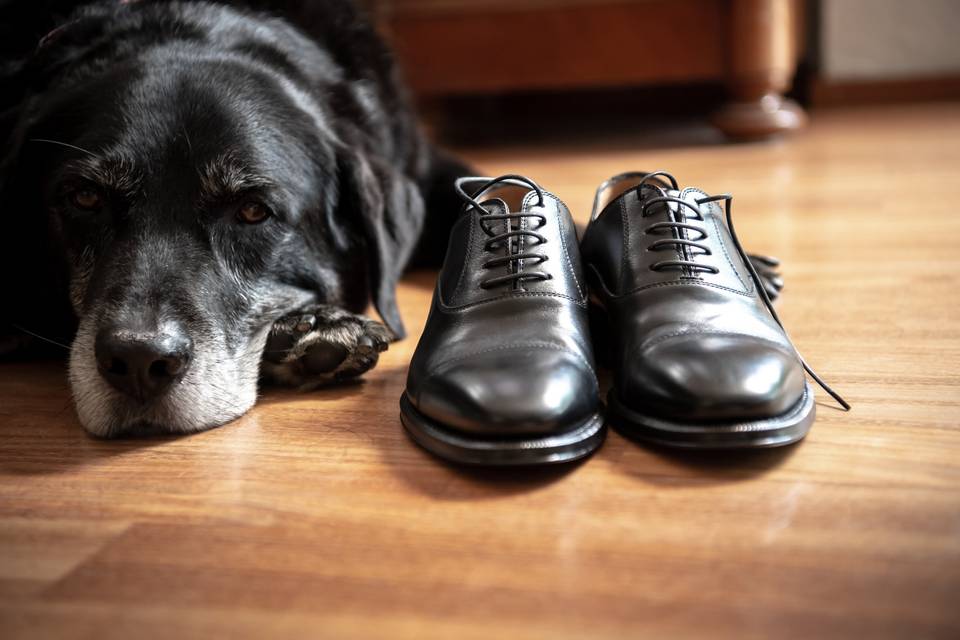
(142, 364)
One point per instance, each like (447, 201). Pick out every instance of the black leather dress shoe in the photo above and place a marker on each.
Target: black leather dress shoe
(700, 358)
(504, 372)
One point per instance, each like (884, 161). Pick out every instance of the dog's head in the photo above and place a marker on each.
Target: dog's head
(196, 190)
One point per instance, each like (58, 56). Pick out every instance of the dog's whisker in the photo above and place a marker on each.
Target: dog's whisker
(65, 144)
(39, 337)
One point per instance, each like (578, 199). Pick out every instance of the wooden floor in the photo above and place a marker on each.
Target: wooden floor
(314, 516)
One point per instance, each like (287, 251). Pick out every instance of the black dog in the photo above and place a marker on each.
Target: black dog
(182, 182)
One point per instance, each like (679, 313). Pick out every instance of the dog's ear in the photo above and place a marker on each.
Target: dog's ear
(389, 209)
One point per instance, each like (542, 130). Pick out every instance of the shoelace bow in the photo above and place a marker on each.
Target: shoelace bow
(513, 237)
(681, 242)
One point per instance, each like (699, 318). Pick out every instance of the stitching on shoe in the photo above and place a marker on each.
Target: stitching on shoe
(515, 345)
(563, 242)
(518, 294)
(522, 240)
(723, 247)
(696, 283)
(470, 255)
(682, 234)
(456, 290)
(710, 334)
(566, 254)
(625, 257)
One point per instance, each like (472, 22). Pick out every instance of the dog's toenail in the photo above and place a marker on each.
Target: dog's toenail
(365, 341)
(305, 323)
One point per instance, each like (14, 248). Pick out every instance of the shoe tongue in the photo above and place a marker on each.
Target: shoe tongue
(673, 193)
(674, 207)
(495, 207)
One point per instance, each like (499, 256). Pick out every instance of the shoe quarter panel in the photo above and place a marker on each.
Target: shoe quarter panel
(604, 246)
(733, 273)
(561, 249)
(459, 250)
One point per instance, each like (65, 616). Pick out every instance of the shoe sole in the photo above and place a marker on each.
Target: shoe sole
(776, 431)
(442, 441)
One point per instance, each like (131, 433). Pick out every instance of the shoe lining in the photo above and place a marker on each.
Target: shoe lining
(616, 187)
(511, 195)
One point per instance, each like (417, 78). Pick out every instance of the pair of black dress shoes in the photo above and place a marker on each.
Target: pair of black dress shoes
(659, 287)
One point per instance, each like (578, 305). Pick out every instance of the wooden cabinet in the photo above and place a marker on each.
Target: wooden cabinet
(462, 47)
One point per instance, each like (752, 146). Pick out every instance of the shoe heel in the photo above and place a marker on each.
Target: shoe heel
(600, 335)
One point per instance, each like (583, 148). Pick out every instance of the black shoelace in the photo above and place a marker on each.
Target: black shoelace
(514, 238)
(680, 226)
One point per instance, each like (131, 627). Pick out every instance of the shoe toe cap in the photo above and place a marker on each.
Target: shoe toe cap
(511, 393)
(713, 377)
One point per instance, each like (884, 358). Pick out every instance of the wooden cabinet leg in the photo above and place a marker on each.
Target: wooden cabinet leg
(763, 45)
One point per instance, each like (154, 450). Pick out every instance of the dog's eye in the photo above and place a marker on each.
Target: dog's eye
(87, 199)
(253, 212)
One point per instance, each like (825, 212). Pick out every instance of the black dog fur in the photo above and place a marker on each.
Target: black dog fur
(133, 133)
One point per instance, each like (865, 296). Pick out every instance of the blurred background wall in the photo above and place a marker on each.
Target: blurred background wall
(751, 68)
(887, 39)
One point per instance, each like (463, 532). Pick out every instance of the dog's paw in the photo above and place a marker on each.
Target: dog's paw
(322, 345)
(767, 268)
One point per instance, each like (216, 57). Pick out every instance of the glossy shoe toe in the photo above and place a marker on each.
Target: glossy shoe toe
(712, 377)
(509, 393)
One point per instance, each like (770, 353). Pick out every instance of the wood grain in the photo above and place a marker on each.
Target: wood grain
(314, 516)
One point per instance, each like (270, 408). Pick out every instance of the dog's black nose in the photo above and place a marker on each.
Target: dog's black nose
(142, 364)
